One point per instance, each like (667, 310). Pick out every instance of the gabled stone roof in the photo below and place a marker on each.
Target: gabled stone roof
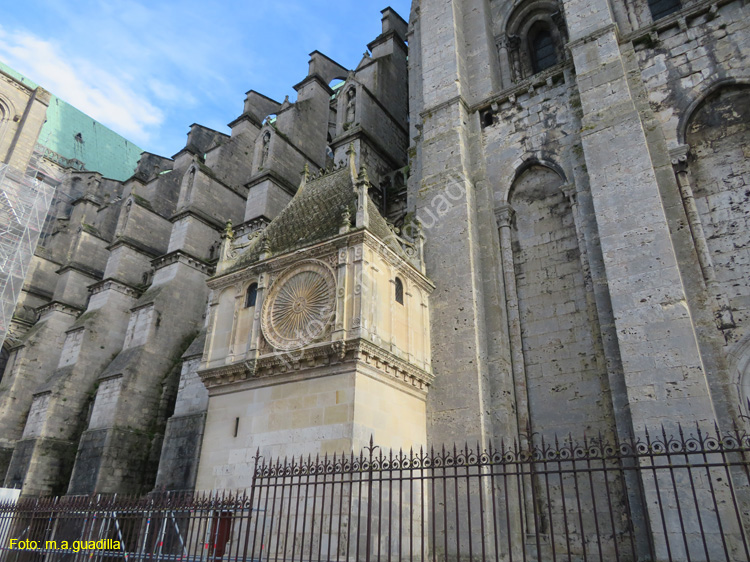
(314, 215)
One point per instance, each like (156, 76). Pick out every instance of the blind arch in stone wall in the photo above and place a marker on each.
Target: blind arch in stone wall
(564, 367)
(717, 131)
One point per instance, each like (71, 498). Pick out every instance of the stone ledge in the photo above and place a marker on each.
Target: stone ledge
(179, 256)
(321, 355)
(645, 34)
(59, 307)
(116, 285)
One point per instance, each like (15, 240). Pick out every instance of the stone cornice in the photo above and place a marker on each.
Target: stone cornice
(111, 284)
(531, 83)
(15, 83)
(248, 227)
(678, 18)
(56, 306)
(179, 256)
(348, 352)
(393, 365)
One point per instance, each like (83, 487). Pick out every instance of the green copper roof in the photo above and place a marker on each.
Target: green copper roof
(72, 134)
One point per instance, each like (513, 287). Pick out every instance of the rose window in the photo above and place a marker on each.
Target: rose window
(299, 307)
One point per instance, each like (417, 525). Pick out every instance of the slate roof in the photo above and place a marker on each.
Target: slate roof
(314, 215)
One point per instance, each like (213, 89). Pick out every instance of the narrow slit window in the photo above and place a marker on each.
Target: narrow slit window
(251, 295)
(399, 290)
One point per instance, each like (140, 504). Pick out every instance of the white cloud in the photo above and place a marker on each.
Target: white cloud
(171, 93)
(101, 93)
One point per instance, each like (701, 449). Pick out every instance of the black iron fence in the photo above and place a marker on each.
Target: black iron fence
(665, 497)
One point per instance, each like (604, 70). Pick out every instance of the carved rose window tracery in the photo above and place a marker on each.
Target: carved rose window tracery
(300, 306)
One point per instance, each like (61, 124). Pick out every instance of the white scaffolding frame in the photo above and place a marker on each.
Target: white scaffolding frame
(24, 203)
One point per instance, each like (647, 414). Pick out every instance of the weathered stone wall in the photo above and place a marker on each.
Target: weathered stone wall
(183, 436)
(644, 332)
(101, 331)
(562, 362)
(22, 114)
(30, 364)
(328, 412)
(719, 137)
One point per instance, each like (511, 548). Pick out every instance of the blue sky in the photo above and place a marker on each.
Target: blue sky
(149, 69)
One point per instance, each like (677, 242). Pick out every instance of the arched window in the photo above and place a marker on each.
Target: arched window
(534, 39)
(541, 48)
(662, 8)
(251, 295)
(399, 291)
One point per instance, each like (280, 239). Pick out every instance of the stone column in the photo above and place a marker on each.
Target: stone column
(504, 217)
(255, 331)
(213, 305)
(239, 302)
(513, 48)
(722, 310)
(342, 295)
(408, 303)
(505, 70)
(361, 294)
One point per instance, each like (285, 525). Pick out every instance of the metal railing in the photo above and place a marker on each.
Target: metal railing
(665, 497)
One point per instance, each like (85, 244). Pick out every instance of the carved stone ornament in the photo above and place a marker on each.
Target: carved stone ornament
(300, 306)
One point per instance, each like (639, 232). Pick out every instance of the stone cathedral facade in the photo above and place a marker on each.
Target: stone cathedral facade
(512, 217)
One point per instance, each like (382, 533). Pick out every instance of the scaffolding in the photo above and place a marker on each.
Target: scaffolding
(24, 203)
